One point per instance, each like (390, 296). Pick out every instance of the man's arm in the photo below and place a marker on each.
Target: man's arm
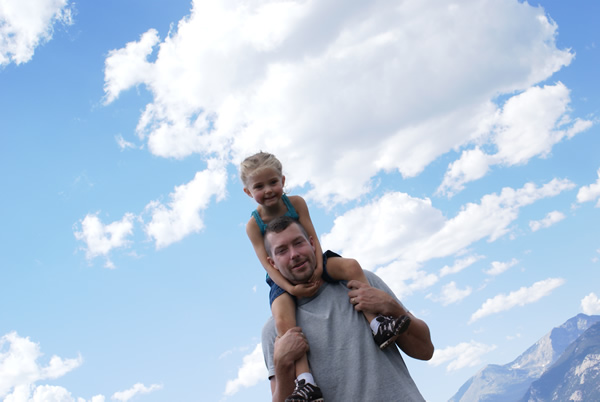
(287, 349)
(416, 341)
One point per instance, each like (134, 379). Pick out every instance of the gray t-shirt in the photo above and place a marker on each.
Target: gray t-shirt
(344, 359)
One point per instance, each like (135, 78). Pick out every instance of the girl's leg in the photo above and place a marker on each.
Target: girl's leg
(385, 329)
(283, 309)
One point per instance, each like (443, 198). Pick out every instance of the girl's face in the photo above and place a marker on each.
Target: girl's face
(266, 187)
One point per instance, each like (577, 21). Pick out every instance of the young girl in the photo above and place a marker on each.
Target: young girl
(263, 180)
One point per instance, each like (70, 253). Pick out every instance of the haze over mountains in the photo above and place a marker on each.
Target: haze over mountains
(564, 365)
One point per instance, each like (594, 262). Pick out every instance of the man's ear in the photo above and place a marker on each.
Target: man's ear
(247, 192)
(312, 243)
(271, 262)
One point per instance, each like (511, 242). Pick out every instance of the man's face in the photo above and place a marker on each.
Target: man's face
(293, 254)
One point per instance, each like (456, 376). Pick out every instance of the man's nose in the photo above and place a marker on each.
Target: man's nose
(294, 253)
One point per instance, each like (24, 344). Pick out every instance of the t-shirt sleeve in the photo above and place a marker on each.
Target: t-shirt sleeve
(269, 333)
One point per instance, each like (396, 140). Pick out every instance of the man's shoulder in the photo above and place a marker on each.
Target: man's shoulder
(373, 278)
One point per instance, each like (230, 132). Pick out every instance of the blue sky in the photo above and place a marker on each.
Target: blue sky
(451, 149)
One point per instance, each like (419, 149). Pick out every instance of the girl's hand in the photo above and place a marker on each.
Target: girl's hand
(316, 277)
(305, 289)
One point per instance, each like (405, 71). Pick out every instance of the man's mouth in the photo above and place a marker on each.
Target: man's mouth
(299, 265)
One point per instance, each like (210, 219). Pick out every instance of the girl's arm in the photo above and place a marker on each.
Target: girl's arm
(304, 219)
(255, 236)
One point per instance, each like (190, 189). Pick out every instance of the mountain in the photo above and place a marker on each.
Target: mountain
(510, 382)
(576, 374)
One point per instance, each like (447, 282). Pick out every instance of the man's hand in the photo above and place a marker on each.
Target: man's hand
(290, 347)
(368, 299)
(416, 341)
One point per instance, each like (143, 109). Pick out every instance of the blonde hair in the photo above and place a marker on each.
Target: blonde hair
(257, 162)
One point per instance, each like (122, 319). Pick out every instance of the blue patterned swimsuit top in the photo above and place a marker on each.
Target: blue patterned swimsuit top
(291, 212)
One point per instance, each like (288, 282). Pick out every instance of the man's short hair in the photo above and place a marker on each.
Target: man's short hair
(278, 225)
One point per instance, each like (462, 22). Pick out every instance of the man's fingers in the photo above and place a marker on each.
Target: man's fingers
(354, 284)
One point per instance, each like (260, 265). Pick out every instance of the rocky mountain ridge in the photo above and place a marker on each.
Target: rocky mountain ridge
(512, 381)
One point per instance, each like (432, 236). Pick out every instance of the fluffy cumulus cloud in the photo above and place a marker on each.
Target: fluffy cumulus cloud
(137, 389)
(465, 354)
(528, 125)
(550, 219)
(20, 369)
(182, 214)
(521, 297)
(590, 193)
(26, 24)
(398, 233)
(590, 304)
(234, 78)
(253, 370)
(100, 238)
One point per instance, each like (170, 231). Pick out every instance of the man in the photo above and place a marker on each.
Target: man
(345, 361)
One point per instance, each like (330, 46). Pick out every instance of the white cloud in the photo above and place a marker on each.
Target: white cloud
(100, 239)
(226, 84)
(550, 219)
(26, 24)
(529, 125)
(398, 233)
(590, 193)
(20, 369)
(128, 67)
(519, 297)
(400, 227)
(499, 267)
(182, 215)
(51, 393)
(137, 389)
(590, 304)
(123, 144)
(459, 265)
(253, 371)
(465, 354)
(451, 294)
(406, 277)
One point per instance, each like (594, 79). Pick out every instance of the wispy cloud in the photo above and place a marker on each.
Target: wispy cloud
(123, 144)
(137, 389)
(521, 297)
(465, 354)
(550, 219)
(499, 267)
(459, 265)
(451, 294)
